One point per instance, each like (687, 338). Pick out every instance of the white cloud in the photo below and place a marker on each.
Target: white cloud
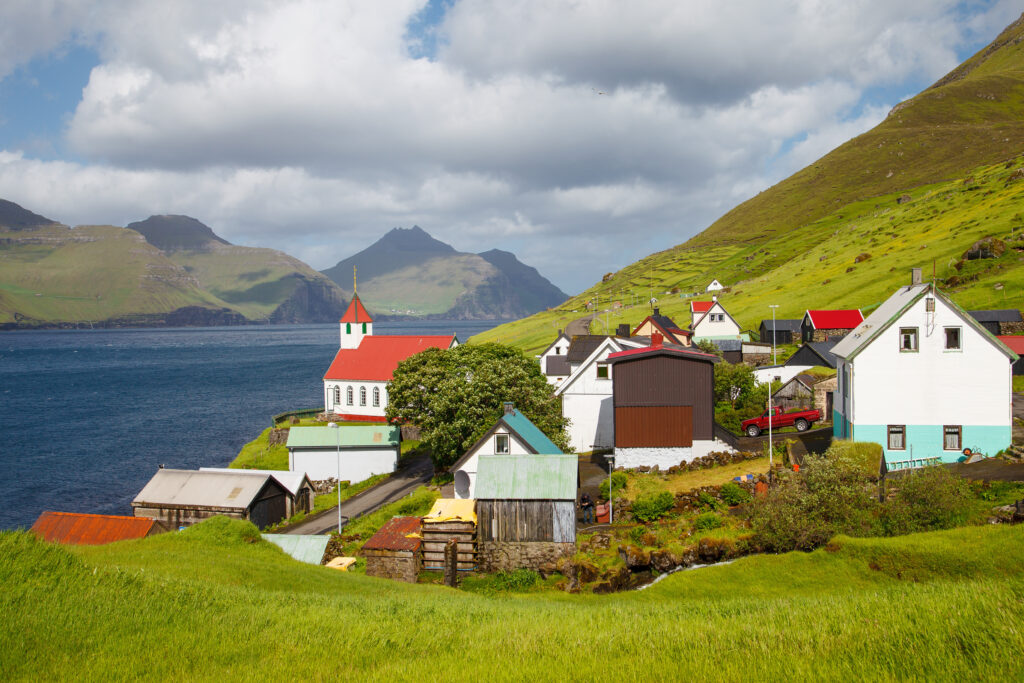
(601, 129)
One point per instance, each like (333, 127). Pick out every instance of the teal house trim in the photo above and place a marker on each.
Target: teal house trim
(924, 443)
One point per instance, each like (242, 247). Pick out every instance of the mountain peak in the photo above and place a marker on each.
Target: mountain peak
(16, 217)
(414, 239)
(175, 233)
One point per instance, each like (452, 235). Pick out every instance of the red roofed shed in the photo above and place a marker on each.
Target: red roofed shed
(394, 551)
(1016, 344)
(818, 326)
(75, 528)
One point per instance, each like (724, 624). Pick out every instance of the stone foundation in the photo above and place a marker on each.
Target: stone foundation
(393, 564)
(495, 556)
(664, 458)
(823, 335)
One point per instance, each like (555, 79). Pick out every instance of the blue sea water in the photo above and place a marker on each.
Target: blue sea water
(86, 416)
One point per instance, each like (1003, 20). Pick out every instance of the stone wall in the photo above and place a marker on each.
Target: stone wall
(756, 359)
(277, 437)
(821, 390)
(494, 556)
(400, 565)
(1011, 328)
(823, 335)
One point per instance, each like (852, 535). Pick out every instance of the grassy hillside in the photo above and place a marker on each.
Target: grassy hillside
(954, 150)
(91, 273)
(215, 602)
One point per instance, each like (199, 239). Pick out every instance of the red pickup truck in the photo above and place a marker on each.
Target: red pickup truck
(801, 419)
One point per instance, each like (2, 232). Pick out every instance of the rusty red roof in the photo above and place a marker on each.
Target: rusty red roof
(1015, 342)
(356, 313)
(836, 320)
(84, 529)
(377, 357)
(395, 535)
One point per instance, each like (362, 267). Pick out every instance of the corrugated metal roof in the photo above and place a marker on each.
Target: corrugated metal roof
(308, 549)
(75, 528)
(206, 489)
(999, 315)
(401, 533)
(530, 433)
(377, 356)
(527, 477)
(292, 481)
(844, 319)
(351, 435)
(1014, 343)
(782, 324)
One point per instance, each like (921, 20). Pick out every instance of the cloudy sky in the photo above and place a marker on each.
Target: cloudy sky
(581, 135)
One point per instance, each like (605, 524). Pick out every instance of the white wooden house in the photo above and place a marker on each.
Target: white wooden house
(512, 434)
(925, 380)
(715, 286)
(710, 320)
(554, 361)
(356, 451)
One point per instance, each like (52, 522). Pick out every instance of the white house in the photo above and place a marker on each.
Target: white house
(587, 396)
(925, 380)
(710, 320)
(512, 434)
(356, 451)
(715, 286)
(554, 361)
(766, 374)
(355, 385)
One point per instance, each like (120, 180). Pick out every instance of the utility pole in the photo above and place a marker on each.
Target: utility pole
(775, 333)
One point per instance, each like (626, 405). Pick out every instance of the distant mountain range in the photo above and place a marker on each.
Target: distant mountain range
(409, 273)
(163, 271)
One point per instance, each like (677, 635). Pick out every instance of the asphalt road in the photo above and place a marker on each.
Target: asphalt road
(415, 472)
(579, 326)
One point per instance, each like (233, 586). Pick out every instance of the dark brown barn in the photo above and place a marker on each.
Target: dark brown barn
(663, 399)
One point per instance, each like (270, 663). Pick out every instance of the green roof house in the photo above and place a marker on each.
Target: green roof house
(513, 434)
(344, 452)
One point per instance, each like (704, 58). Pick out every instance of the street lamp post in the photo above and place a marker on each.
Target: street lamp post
(611, 494)
(337, 483)
(775, 332)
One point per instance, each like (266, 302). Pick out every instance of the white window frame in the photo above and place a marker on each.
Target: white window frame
(362, 396)
(349, 396)
(376, 397)
(498, 440)
(959, 339)
(916, 337)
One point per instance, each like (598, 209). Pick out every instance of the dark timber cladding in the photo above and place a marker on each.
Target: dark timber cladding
(662, 399)
(517, 521)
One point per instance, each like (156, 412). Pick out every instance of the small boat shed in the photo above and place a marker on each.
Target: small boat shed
(300, 489)
(526, 510)
(181, 498)
(394, 551)
(74, 528)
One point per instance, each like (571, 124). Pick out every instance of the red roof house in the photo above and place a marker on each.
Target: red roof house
(74, 528)
(818, 326)
(355, 382)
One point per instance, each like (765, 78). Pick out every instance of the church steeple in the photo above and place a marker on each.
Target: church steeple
(356, 323)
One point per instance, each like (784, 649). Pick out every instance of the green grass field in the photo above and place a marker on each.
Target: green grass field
(216, 603)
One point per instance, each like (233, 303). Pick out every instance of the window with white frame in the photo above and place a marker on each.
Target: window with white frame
(897, 437)
(348, 396)
(337, 395)
(376, 397)
(602, 371)
(951, 440)
(952, 338)
(501, 443)
(908, 339)
(362, 396)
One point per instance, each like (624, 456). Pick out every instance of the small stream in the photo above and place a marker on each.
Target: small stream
(682, 569)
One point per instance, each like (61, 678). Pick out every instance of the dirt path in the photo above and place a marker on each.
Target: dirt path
(579, 326)
(403, 482)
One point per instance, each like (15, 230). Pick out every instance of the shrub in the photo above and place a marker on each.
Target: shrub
(515, 580)
(707, 521)
(636, 534)
(708, 502)
(618, 479)
(928, 499)
(734, 494)
(653, 506)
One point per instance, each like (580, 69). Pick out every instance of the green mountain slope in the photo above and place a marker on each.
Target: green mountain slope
(409, 273)
(941, 172)
(51, 275)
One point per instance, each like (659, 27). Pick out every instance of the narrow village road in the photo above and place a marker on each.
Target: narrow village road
(579, 326)
(403, 482)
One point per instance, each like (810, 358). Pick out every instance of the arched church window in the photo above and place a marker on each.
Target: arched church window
(376, 397)
(362, 396)
(348, 396)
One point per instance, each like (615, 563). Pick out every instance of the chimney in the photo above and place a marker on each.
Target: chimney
(510, 408)
(560, 332)
(915, 276)
(623, 330)
(714, 297)
(656, 340)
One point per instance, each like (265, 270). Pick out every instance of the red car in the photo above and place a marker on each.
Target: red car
(801, 419)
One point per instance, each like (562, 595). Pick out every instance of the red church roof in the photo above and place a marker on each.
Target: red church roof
(377, 357)
(356, 313)
(836, 320)
(85, 529)
(701, 306)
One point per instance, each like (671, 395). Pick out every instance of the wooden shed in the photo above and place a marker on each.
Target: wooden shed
(394, 551)
(786, 331)
(450, 518)
(526, 510)
(797, 393)
(301, 492)
(181, 498)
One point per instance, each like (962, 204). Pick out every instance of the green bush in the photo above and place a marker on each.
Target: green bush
(636, 534)
(619, 480)
(707, 521)
(653, 506)
(734, 494)
(706, 501)
(515, 580)
(927, 499)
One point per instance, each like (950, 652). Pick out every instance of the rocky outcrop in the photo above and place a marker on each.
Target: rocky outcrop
(312, 301)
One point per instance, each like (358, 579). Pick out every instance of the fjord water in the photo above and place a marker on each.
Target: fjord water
(87, 416)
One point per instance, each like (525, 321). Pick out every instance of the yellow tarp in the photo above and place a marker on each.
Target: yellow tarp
(341, 563)
(452, 510)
